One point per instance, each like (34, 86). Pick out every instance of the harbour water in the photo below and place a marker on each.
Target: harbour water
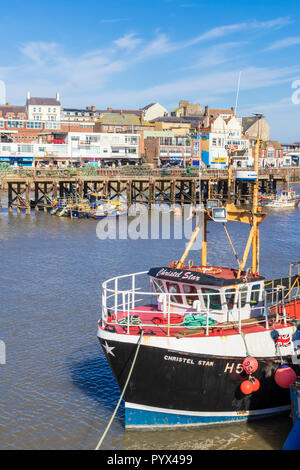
(56, 389)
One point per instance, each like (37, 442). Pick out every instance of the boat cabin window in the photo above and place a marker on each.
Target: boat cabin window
(173, 288)
(229, 296)
(188, 289)
(158, 285)
(243, 294)
(255, 294)
(214, 298)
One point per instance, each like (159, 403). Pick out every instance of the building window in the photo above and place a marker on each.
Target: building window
(16, 124)
(25, 148)
(33, 125)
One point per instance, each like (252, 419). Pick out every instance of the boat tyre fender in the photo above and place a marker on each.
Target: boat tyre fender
(110, 328)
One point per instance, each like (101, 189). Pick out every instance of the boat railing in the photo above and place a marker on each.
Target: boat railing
(123, 299)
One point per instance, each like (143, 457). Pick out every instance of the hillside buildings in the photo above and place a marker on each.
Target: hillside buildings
(44, 132)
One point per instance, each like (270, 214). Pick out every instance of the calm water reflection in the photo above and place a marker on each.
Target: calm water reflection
(56, 390)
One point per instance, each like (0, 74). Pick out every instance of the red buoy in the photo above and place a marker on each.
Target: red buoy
(250, 365)
(285, 376)
(255, 384)
(246, 387)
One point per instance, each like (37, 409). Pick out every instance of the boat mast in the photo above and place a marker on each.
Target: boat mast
(255, 242)
(253, 218)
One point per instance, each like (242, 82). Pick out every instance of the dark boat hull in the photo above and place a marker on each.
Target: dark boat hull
(169, 388)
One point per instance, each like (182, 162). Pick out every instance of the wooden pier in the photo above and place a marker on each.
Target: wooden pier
(37, 189)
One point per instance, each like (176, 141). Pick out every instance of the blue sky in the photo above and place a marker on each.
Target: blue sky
(128, 53)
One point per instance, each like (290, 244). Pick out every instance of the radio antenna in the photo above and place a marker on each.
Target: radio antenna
(238, 90)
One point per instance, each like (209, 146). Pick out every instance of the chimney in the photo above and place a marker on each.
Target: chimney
(28, 95)
(57, 96)
(88, 108)
(206, 117)
(109, 109)
(93, 108)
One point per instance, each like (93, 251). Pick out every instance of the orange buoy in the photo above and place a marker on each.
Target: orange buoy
(246, 387)
(255, 384)
(285, 376)
(250, 365)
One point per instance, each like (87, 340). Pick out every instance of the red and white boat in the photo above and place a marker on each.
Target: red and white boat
(206, 344)
(286, 199)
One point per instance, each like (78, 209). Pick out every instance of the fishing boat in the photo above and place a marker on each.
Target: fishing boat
(206, 344)
(108, 209)
(286, 199)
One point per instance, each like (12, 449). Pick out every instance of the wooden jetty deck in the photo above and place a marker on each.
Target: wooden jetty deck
(138, 185)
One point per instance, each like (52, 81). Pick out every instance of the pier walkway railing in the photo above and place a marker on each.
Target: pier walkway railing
(137, 171)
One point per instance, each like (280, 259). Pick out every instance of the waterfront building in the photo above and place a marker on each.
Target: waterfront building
(77, 148)
(121, 122)
(78, 114)
(291, 154)
(97, 148)
(221, 137)
(255, 127)
(165, 148)
(271, 154)
(43, 109)
(153, 111)
(186, 108)
(179, 125)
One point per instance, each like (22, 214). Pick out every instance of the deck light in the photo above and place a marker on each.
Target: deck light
(211, 203)
(218, 214)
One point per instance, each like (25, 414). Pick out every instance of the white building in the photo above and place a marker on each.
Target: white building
(153, 111)
(43, 109)
(103, 146)
(78, 147)
(226, 136)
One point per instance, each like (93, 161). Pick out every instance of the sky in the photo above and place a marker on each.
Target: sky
(129, 53)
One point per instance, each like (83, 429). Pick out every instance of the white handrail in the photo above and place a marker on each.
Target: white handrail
(130, 297)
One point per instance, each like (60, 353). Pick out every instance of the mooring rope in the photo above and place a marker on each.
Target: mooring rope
(123, 391)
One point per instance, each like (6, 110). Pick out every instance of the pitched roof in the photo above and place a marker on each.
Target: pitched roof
(138, 112)
(43, 101)
(276, 145)
(120, 119)
(148, 106)
(247, 122)
(12, 109)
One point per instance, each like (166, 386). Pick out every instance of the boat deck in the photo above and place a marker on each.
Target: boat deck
(153, 322)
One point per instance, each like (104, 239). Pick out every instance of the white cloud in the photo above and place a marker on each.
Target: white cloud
(128, 42)
(90, 73)
(38, 52)
(286, 42)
